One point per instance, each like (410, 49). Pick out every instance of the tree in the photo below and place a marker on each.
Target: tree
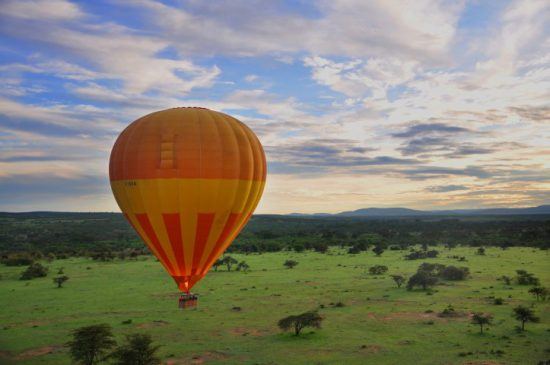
(35, 270)
(525, 278)
(399, 280)
(378, 250)
(243, 266)
(59, 280)
(290, 263)
(480, 251)
(217, 264)
(229, 261)
(299, 322)
(524, 315)
(378, 269)
(454, 273)
(137, 351)
(421, 278)
(90, 344)
(481, 320)
(539, 292)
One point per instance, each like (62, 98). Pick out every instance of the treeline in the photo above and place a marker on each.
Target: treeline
(89, 234)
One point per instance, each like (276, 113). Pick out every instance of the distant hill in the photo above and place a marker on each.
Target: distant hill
(405, 212)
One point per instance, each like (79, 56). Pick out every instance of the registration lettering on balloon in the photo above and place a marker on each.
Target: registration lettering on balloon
(188, 181)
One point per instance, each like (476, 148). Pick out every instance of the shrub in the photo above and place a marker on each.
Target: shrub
(35, 270)
(137, 351)
(525, 278)
(290, 264)
(90, 344)
(299, 322)
(498, 301)
(378, 269)
(454, 273)
(423, 279)
(21, 259)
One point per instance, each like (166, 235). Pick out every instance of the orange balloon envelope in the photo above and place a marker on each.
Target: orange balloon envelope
(187, 180)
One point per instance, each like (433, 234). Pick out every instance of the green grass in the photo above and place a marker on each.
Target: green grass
(379, 324)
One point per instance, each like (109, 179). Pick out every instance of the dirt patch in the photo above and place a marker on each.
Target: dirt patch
(371, 349)
(199, 359)
(39, 351)
(409, 316)
(159, 323)
(243, 331)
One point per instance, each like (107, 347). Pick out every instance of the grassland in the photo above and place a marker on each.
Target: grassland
(379, 323)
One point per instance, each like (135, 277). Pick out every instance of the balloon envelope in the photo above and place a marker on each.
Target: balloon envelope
(187, 180)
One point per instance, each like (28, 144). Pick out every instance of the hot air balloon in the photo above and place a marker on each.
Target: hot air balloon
(187, 180)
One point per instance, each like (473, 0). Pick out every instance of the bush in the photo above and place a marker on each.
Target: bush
(423, 279)
(299, 322)
(416, 255)
(498, 301)
(378, 269)
(290, 263)
(35, 270)
(21, 259)
(525, 278)
(137, 351)
(454, 273)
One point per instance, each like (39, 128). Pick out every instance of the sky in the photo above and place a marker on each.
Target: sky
(422, 104)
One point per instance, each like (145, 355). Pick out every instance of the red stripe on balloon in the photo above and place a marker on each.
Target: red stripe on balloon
(226, 232)
(173, 228)
(145, 224)
(204, 224)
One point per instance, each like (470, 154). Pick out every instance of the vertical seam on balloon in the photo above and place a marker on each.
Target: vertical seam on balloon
(204, 226)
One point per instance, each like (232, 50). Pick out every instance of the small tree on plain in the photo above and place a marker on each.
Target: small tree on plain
(524, 315)
(480, 251)
(421, 278)
(290, 264)
(229, 262)
(481, 320)
(59, 280)
(399, 280)
(378, 250)
(35, 270)
(539, 292)
(90, 344)
(137, 351)
(299, 322)
(243, 266)
(378, 269)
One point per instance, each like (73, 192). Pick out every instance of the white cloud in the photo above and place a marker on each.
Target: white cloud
(41, 9)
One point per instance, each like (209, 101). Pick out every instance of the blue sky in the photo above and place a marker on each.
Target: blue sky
(429, 104)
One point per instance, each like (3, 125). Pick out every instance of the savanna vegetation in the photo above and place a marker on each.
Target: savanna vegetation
(319, 292)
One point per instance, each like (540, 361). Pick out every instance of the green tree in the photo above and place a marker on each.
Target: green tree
(539, 292)
(524, 315)
(137, 351)
(480, 251)
(35, 270)
(290, 264)
(378, 250)
(243, 266)
(59, 280)
(399, 280)
(481, 320)
(421, 278)
(229, 261)
(299, 322)
(378, 269)
(90, 344)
